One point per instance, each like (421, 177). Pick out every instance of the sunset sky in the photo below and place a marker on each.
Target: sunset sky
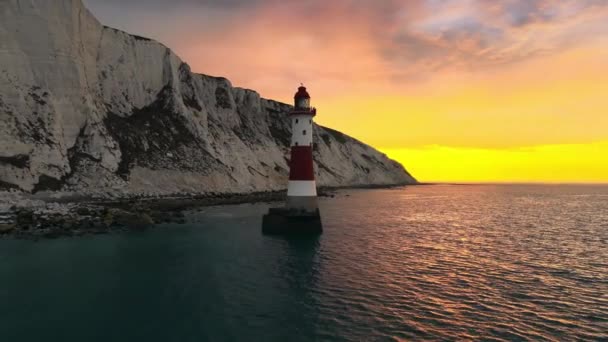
(456, 90)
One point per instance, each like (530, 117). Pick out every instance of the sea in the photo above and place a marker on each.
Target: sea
(433, 263)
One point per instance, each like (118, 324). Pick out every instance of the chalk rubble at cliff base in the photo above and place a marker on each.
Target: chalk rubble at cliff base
(51, 215)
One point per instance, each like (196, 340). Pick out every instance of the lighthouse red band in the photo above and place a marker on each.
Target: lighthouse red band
(302, 189)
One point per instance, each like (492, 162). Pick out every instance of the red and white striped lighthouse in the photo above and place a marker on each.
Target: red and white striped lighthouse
(301, 214)
(302, 189)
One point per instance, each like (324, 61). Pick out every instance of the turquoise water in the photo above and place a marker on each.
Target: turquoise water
(429, 262)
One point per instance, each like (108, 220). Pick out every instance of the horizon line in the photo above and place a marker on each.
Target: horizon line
(510, 183)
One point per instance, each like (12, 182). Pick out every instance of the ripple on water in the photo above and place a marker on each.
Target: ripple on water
(482, 265)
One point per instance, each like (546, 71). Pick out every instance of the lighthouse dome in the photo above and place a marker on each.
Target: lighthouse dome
(302, 93)
(302, 98)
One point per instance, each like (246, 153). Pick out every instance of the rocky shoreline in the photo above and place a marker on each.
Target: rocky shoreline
(59, 216)
(63, 218)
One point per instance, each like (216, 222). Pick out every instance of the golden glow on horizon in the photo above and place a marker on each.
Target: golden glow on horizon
(585, 163)
(540, 122)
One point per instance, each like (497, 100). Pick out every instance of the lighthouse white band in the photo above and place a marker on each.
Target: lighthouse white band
(301, 130)
(302, 188)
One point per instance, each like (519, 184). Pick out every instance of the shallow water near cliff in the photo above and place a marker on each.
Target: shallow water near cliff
(435, 262)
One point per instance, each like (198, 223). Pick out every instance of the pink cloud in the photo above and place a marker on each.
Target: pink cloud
(346, 44)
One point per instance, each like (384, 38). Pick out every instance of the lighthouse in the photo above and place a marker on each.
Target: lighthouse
(302, 188)
(301, 212)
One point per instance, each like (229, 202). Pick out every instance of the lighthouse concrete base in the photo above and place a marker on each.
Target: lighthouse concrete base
(283, 221)
(306, 203)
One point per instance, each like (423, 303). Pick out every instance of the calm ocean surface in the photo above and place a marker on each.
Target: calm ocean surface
(445, 262)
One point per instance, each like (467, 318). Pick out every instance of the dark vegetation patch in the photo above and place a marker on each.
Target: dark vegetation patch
(339, 136)
(154, 128)
(34, 131)
(40, 133)
(362, 168)
(6, 186)
(37, 99)
(324, 167)
(279, 126)
(243, 134)
(188, 93)
(149, 134)
(48, 183)
(38, 96)
(20, 161)
(373, 160)
(75, 157)
(249, 130)
(280, 133)
(215, 78)
(192, 102)
(222, 98)
(5, 109)
(214, 130)
(278, 168)
(128, 34)
(145, 39)
(286, 107)
(253, 171)
(246, 131)
(327, 139)
(271, 110)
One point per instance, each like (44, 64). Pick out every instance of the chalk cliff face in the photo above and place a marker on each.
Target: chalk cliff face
(91, 109)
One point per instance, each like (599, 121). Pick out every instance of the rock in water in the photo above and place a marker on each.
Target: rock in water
(7, 227)
(92, 109)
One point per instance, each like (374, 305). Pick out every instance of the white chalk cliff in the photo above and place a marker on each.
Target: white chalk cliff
(88, 108)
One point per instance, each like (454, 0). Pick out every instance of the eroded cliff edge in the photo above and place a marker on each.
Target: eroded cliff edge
(90, 109)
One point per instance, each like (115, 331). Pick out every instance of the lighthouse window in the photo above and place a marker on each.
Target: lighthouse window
(296, 143)
(304, 132)
(310, 121)
(297, 120)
